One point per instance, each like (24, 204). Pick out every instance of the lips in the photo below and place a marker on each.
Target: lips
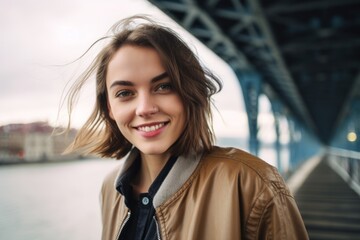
(151, 127)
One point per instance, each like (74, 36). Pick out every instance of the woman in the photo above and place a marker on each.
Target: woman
(153, 109)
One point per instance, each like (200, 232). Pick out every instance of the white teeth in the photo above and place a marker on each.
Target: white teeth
(151, 128)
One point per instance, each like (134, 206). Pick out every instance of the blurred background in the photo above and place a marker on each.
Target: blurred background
(291, 95)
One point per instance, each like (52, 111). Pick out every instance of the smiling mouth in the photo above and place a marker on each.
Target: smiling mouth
(151, 128)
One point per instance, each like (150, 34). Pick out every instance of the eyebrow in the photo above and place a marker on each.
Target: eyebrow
(129, 83)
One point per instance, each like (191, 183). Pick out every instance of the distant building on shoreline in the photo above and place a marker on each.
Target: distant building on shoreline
(33, 142)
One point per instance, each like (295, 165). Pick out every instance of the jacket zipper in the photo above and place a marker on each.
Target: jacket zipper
(123, 224)
(157, 229)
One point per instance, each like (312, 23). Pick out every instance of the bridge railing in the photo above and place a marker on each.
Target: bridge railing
(347, 164)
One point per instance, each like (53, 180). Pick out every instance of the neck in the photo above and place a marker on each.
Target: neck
(151, 165)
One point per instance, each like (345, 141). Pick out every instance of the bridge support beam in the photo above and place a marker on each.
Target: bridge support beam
(250, 82)
(277, 109)
(303, 144)
(295, 143)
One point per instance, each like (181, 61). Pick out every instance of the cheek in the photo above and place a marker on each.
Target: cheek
(111, 115)
(121, 115)
(178, 107)
(109, 109)
(123, 123)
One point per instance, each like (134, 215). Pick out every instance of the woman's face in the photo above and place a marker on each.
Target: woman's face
(141, 100)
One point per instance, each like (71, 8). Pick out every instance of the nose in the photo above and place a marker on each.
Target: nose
(146, 106)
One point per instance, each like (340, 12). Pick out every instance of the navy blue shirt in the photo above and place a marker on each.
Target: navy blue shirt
(142, 224)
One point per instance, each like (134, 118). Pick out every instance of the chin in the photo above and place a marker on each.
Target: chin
(153, 150)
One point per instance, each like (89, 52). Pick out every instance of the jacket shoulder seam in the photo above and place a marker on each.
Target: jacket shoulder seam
(243, 161)
(264, 206)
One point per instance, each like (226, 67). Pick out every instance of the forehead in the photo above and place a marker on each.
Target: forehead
(134, 59)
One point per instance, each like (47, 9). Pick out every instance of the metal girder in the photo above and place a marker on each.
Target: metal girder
(277, 109)
(238, 27)
(284, 80)
(318, 40)
(306, 51)
(301, 45)
(353, 94)
(251, 83)
(189, 15)
(286, 7)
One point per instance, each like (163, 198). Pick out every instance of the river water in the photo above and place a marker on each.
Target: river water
(52, 200)
(56, 201)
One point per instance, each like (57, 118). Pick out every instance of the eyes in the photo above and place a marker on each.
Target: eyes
(164, 87)
(128, 93)
(123, 94)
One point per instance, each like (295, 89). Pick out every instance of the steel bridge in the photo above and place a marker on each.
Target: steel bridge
(305, 57)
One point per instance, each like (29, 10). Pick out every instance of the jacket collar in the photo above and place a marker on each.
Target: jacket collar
(178, 175)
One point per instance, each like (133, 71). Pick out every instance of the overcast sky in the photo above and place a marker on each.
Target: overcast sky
(37, 35)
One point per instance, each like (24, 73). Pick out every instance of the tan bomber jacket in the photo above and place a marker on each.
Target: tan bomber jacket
(226, 194)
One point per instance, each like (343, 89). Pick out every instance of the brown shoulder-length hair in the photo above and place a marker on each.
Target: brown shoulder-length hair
(191, 81)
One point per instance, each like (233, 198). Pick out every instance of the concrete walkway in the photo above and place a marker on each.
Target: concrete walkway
(330, 208)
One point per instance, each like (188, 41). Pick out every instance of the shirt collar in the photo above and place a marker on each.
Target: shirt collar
(183, 168)
(123, 183)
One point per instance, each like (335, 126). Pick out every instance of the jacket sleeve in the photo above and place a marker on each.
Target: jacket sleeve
(277, 218)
